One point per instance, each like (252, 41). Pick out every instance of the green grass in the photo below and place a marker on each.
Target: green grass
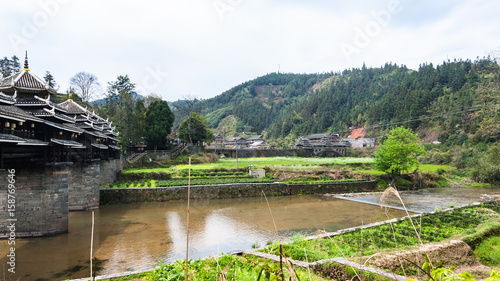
(425, 168)
(225, 171)
(295, 163)
(140, 276)
(371, 172)
(432, 169)
(210, 181)
(272, 162)
(488, 251)
(184, 182)
(147, 170)
(235, 268)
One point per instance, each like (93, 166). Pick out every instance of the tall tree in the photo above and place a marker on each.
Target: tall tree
(399, 152)
(120, 104)
(194, 130)
(183, 108)
(159, 121)
(150, 99)
(9, 66)
(49, 78)
(139, 125)
(86, 85)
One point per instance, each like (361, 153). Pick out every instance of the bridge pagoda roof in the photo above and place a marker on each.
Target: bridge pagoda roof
(25, 81)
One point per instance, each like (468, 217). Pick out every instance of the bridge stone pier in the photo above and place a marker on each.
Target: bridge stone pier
(44, 195)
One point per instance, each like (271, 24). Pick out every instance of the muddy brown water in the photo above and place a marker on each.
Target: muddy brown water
(136, 236)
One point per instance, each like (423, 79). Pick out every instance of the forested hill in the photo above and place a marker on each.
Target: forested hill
(455, 98)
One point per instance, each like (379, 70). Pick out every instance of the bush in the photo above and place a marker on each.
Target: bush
(441, 171)
(488, 169)
(436, 156)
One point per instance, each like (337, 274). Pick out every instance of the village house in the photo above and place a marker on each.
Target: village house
(257, 142)
(235, 142)
(323, 142)
(218, 141)
(357, 138)
(253, 142)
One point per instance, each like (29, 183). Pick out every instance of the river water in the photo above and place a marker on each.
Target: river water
(136, 236)
(428, 200)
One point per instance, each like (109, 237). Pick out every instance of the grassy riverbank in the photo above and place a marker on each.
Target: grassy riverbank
(270, 162)
(277, 169)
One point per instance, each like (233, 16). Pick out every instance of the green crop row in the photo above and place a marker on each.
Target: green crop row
(432, 228)
(210, 181)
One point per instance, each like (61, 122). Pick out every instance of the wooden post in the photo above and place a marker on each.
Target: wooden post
(1, 156)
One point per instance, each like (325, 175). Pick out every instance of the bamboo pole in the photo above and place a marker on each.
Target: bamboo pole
(187, 225)
(91, 244)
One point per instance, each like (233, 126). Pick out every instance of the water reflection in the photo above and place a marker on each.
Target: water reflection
(136, 236)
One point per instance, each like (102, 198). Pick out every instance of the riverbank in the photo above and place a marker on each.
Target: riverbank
(224, 191)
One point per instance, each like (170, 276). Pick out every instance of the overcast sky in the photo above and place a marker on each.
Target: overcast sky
(200, 48)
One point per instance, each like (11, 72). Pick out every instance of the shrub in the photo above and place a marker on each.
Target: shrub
(488, 169)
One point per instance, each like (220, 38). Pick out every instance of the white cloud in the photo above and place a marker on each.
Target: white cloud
(208, 46)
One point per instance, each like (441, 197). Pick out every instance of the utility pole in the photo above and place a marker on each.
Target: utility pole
(237, 156)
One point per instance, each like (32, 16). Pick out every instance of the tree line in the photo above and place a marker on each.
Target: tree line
(460, 97)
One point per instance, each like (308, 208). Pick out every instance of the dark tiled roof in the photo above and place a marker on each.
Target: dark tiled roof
(6, 98)
(18, 113)
(34, 142)
(73, 127)
(72, 107)
(319, 136)
(28, 80)
(73, 144)
(25, 80)
(45, 113)
(29, 102)
(100, 146)
(257, 137)
(66, 127)
(96, 134)
(64, 118)
(38, 112)
(83, 125)
(10, 138)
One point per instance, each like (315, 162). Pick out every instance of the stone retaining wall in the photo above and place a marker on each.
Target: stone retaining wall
(132, 195)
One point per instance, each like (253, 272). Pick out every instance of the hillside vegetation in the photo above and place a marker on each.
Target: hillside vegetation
(458, 99)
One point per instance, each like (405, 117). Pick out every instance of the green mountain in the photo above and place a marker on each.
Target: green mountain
(457, 100)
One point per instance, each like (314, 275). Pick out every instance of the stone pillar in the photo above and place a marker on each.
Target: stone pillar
(41, 201)
(84, 181)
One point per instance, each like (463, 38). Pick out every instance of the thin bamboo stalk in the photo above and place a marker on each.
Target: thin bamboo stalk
(187, 224)
(91, 245)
